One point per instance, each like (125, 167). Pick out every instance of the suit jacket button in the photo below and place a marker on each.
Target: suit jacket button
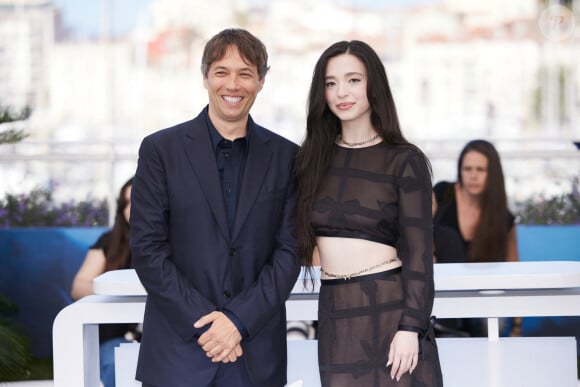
(233, 252)
(227, 294)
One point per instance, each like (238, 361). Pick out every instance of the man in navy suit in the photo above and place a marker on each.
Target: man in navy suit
(213, 235)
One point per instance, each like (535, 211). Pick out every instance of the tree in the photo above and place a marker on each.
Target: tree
(14, 348)
(14, 345)
(7, 114)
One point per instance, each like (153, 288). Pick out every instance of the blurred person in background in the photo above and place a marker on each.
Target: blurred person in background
(476, 207)
(110, 252)
(447, 244)
(447, 248)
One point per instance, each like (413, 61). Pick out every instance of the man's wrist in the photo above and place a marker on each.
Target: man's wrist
(236, 321)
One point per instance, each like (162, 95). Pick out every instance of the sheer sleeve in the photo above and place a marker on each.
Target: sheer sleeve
(416, 243)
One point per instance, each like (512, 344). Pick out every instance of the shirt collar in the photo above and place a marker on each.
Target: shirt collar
(216, 137)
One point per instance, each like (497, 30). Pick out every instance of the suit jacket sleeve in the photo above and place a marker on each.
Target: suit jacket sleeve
(151, 250)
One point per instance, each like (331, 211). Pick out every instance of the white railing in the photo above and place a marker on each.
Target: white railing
(488, 290)
(84, 169)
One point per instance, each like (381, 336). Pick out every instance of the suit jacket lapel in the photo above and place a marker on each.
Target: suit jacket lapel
(198, 148)
(257, 164)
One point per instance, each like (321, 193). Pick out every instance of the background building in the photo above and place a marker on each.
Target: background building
(506, 72)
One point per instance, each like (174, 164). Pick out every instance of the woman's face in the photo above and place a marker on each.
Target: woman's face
(127, 209)
(345, 83)
(474, 172)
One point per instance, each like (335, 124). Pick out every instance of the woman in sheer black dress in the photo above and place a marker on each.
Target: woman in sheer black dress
(365, 205)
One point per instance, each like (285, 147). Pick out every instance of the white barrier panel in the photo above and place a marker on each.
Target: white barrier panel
(473, 362)
(302, 364)
(126, 365)
(490, 291)
(509, 362)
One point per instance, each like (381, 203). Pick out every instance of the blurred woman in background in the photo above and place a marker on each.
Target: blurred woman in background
(110, 252)
(476, 206)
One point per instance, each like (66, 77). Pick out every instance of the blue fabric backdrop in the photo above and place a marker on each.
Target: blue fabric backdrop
(550, 243)
(37, 267)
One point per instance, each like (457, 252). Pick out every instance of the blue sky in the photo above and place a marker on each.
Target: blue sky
(84, 17)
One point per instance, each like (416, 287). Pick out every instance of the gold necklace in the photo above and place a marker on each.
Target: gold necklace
(343, 141)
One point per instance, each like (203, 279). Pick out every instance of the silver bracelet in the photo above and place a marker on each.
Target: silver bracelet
(348, 276)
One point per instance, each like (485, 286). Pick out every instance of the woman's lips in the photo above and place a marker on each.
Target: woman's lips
(344, 106)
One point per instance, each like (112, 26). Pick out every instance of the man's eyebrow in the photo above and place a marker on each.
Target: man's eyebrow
(250, 69)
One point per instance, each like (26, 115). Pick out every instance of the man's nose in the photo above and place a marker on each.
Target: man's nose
(232, 82)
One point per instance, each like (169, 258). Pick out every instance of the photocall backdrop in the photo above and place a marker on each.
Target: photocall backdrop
(37, 267)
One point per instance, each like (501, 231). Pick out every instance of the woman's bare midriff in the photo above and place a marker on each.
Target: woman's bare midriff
(347, 256)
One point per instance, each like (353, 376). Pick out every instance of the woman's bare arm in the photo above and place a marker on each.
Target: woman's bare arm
(512, 246)
(93, 265)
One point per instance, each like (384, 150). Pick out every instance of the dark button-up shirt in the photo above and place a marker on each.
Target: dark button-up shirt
(231, 159)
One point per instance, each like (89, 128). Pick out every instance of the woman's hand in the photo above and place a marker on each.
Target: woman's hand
(403, 353)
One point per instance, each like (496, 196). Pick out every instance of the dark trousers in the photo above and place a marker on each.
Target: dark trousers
(228, 375)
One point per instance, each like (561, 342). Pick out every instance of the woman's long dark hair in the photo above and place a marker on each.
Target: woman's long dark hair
(322, 127)
(490, 239)
(118, 254)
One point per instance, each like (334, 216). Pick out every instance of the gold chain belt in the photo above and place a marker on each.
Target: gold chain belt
(348, 276)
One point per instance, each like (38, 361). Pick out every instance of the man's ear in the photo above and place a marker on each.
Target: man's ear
(261, 84)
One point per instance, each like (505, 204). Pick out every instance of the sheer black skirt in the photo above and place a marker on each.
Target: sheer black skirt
(357, 319)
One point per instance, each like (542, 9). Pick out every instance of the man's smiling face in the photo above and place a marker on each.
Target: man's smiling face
(232, 86)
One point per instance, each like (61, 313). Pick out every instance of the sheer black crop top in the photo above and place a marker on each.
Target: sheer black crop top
(382, 193)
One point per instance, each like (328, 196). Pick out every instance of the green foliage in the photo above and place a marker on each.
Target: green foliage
(12, 136)
(41, 368)
(8, 114)
(39, 209)
(562, 209)
(14, 348)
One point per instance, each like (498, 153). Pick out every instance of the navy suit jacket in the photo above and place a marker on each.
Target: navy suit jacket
(190, 264)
